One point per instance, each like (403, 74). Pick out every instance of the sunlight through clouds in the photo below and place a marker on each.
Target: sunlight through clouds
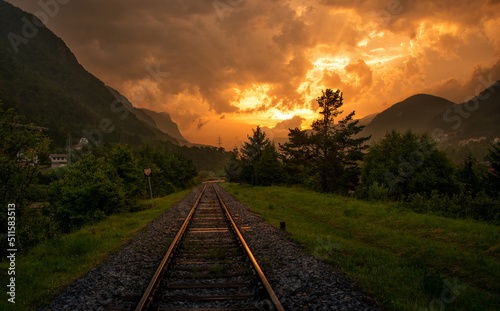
(267, 61)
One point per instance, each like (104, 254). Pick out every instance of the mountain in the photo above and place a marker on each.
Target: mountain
(412, 113)
(165, 124)
(141, 115)
(479, 117)
(367, 119)
(41, 79)
(160, 120)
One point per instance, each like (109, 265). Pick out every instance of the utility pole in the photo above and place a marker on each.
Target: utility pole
(69, 148)
(219, 142)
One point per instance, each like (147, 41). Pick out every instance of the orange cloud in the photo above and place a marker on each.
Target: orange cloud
(266, 61)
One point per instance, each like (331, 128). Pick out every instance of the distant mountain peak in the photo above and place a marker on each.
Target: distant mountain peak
(424, 113)
(164, 123)
(413, 113)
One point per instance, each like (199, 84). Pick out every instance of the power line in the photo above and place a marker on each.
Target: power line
(219, 142)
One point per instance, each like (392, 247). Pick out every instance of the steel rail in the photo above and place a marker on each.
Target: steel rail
(256, 266)
(146, 297)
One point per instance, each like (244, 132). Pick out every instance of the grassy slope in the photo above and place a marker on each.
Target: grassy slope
(50, 267)
(406, 260)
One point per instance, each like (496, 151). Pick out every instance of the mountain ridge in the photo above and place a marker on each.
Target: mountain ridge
(42, 79)
(440, 117)
(165, 123)
(413, 113)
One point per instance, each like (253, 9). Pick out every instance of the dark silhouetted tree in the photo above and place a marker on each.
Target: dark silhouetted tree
(268, 169)
(233, 167)
(90, 190)
(251, 152)
(169, 171)
(22, 149)
(494, 172)
(331, 154)
(127, 167)
(468, 176)
(409, 163)
(296, 155)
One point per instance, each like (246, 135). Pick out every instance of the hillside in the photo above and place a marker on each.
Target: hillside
(164, 122)
(382, 245)
(413, 113)
(479, 117)
(367, 119)
(476, 118)
(41, 79)
(127, 104)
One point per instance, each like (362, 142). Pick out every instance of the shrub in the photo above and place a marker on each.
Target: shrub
(90, 189)
(37, 226)
(378, 192)
(409, 163)
(464, 205)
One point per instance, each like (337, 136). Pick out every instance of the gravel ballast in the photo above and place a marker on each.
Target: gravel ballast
(128, 272)
(301, 281)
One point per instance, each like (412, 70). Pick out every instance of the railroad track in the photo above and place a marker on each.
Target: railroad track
(209, 266)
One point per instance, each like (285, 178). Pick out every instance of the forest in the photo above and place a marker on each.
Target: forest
(403, 167)
(101, 181)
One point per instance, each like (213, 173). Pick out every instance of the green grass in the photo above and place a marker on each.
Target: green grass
(408, 261)
(50, 267)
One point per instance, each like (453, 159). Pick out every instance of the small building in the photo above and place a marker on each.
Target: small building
(58, 160)
(25, 161)
(81, 143)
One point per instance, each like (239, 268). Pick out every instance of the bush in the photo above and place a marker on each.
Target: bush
(168, 171)
(407, 164)
(417, 202)
(464, 205)
(377, 192)
(37, 226)
(122, 159)
(485, 208)
(90, 190)
(268, 169)
(168, 188)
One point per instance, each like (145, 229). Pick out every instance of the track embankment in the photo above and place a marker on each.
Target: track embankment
(300, 281)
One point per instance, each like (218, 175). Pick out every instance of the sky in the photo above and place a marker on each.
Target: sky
(222, 67)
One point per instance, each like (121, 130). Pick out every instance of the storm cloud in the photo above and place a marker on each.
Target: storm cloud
(203, 59)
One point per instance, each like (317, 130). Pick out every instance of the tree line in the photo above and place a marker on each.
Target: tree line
(407, 168)
(108, 179)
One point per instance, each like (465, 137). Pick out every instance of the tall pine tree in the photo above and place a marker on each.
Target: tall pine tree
(268, 169)
(250, 154)
(332, 152)
(233, 166)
